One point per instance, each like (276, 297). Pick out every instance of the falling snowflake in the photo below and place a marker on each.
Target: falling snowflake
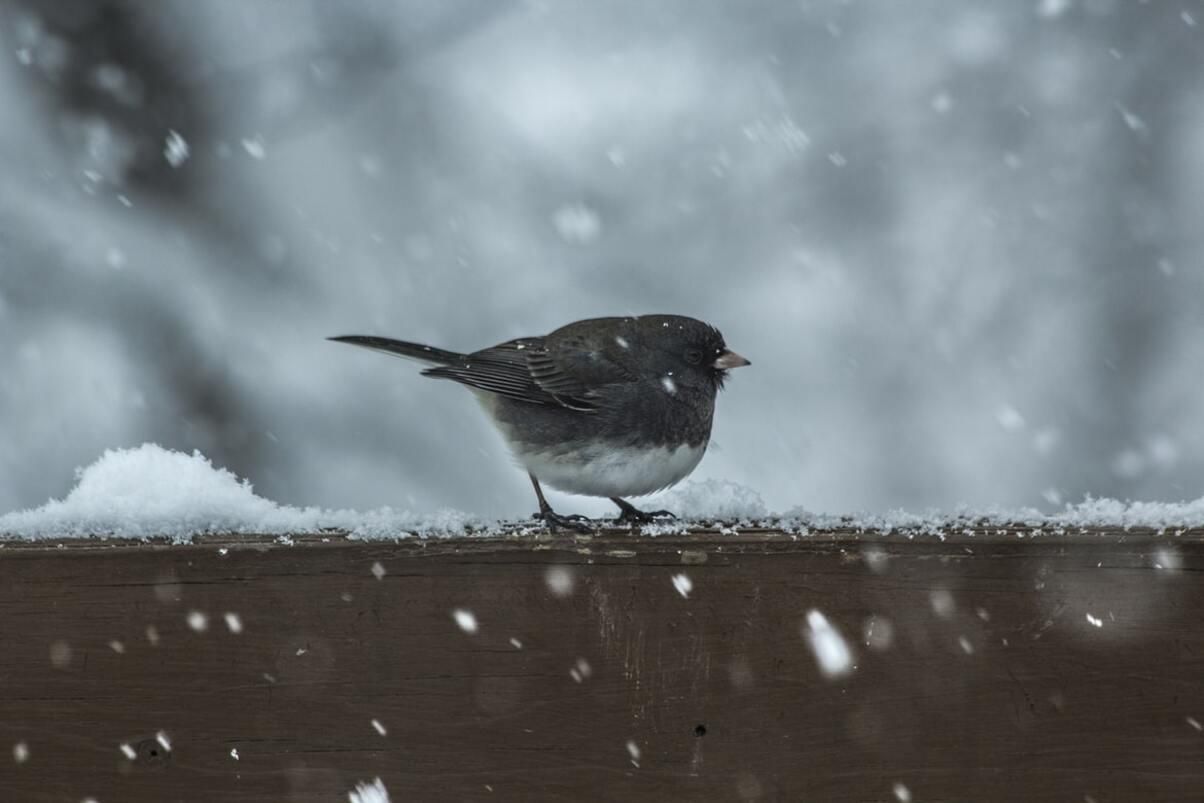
(581, 671)
(577, 224)
(831, 651)
(465, 619)
(369, 793)
(254, 148)
(559, 580)
(175, 149)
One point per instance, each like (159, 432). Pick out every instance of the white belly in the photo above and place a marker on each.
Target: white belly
(601, 471)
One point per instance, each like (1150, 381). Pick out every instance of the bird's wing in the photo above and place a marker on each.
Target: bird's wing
(532, 370)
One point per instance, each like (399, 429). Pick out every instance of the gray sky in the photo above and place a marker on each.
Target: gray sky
(959, 242)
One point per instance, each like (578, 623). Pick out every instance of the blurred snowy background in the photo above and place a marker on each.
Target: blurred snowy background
(961, 242)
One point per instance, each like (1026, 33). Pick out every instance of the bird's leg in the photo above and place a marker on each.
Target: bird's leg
(553, 519)
(632, 515)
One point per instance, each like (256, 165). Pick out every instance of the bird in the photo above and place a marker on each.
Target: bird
(611, 407)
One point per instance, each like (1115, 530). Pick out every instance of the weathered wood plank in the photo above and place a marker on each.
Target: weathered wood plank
(993, 685)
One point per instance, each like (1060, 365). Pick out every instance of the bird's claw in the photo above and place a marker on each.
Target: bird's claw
(634, 516)
(571, 521)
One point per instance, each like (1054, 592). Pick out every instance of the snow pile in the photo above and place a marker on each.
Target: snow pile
(713, 500)
(1110, 512)
(151, 491)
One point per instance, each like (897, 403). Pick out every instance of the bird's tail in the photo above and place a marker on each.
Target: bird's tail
(400, 348)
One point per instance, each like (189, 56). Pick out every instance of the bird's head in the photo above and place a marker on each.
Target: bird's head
(691, 351)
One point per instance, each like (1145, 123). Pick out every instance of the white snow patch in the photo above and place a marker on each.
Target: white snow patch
(151, 491)
(683, 584)
(466, 620)
(715, 500)
(832, 652)
(374, 792)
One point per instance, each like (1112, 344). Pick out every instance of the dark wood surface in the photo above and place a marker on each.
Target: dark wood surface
(996, 684)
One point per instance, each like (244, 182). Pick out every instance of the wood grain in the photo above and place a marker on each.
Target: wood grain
(995, 683)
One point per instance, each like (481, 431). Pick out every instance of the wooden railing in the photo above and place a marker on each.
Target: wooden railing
(975, 665)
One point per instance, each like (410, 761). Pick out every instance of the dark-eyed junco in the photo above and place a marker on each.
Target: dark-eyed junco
(608, 407)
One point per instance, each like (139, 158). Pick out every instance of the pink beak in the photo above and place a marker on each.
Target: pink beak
(729, 359)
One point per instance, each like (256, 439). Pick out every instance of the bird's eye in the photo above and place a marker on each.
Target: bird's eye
(693, 356)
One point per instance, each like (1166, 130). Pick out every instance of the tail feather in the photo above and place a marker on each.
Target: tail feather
(400, 348)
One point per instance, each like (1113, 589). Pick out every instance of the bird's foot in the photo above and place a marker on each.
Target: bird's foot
(632, 515)
(572, 521)
(644, 516)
